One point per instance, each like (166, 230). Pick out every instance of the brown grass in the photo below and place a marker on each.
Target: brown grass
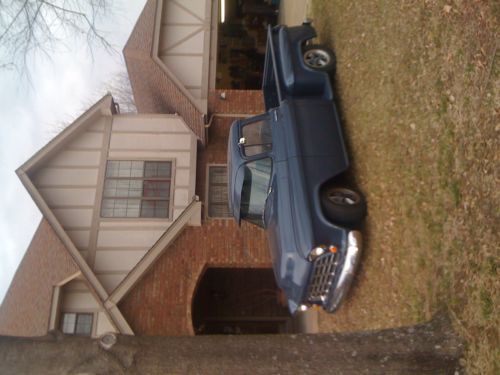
(418, 87)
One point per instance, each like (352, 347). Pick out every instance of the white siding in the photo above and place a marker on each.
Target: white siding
(151, 123)
(70, 158)
(80, 238)
(58, 177)
(122, 242)
(98, 126)
(184, 44)
(58, 196)
(188, 68)
(68, 182)
(182, 177)
(103, 324)
(87, 140)
(117, 260)
(182, 158)
(79, 301)
(85, 255)
(77, 298)
(181, 198)
(141, 141)
(134, 224)
(128, 238)
(74, 217)
(110, 280)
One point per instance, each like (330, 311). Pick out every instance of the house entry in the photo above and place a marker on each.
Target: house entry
(239, 301)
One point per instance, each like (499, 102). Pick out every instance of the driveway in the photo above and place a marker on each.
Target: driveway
(293, 12)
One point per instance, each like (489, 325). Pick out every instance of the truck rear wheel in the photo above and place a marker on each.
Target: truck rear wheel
(343, 206)
(319, 57)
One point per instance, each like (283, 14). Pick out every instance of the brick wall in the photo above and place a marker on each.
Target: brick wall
(160, 304)
(25, 309)
(236, 101)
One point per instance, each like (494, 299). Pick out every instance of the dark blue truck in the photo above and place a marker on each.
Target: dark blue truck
(284, 169)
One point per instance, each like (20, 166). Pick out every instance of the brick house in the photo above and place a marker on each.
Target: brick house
(135, 236)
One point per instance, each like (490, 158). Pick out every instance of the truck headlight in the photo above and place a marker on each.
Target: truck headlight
(316, 252)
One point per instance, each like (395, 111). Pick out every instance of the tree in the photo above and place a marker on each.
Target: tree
(118, 86)
(29, 27)
(431, 348)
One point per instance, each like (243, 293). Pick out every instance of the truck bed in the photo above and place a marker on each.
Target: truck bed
(285, 74)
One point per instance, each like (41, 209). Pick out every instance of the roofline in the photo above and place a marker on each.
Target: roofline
(66, 240)
(125, 46)
(105, 106)
(56, 300)
(94, 284)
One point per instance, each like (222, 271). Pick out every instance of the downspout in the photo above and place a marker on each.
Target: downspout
(208, 124)
(213, 115)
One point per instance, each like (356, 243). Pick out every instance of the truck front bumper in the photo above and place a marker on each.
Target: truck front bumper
(344, 280)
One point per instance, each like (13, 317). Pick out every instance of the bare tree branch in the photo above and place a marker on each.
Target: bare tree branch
(118, 86)
(32, 27)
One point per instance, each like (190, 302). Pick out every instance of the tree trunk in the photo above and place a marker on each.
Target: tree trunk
(431, 348)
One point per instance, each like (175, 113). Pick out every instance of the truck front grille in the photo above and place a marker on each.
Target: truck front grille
(322, 277)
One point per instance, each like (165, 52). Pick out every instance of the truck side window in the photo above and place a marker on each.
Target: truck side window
(255, 189)
(257, 137)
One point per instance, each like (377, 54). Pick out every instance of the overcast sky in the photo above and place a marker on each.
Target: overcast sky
(30, 115)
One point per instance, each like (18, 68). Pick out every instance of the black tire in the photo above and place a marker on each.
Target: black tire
(343, 206)
(319, 57)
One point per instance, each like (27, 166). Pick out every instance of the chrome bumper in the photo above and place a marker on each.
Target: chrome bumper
(352, 257)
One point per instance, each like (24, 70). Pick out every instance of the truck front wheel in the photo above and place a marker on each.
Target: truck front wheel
(319, 57)
(343, 206)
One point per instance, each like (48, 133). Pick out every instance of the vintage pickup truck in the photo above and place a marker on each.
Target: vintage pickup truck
(284, 169)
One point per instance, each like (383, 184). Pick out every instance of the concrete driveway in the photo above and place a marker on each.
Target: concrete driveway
(293, 12)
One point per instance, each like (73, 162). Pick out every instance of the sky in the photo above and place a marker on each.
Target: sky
(32, 112)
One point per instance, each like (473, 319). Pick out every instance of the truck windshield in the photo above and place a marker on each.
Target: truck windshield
(255, 189)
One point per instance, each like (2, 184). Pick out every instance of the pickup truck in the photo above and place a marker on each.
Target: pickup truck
(285, 168)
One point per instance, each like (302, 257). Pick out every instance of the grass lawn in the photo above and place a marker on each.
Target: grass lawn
(418, 89)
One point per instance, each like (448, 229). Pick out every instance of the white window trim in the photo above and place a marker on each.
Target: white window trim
(93, 328)
(170, 213)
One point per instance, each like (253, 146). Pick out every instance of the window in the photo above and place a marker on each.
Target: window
(77, 324)
(136, 189)
(255, 190)
(257, 138)
(217, 192)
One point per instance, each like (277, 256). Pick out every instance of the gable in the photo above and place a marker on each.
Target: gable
(71, 182)
(67, 177)
(76, 297)
(183, 46)
(156, 89)
(68, 181)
